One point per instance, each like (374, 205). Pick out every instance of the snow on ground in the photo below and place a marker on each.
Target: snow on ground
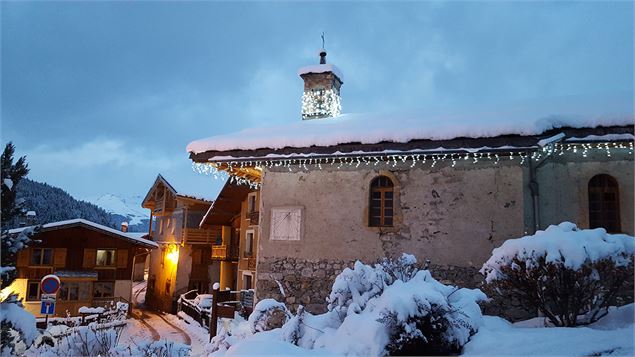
(134, 333)
(612, 335)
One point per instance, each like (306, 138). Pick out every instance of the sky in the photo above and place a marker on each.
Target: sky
(103, 96)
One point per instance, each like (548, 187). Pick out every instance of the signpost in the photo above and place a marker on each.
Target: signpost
(49, 285)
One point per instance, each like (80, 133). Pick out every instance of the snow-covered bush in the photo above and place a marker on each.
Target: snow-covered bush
(389, 308)
(353, 288)
(570, 275)
(92, 340)
(267, 315)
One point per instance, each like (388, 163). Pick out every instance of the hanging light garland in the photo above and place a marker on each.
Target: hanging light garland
(321, 103)
(298, 164)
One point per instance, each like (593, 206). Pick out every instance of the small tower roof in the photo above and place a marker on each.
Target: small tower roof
(322, 68)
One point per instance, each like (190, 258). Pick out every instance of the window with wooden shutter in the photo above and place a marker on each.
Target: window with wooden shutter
(604, 203)
(90, 256)
(59, 257)
(381, 202)
(122, 258)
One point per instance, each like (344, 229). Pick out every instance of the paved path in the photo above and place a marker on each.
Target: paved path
(157, 325)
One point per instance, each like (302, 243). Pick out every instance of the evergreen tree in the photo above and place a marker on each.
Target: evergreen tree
(15, 323)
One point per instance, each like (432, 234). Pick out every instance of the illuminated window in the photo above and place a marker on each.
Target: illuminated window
(105, 257)
(381, 202)
(42, 256)
(604, 203)
(33, 291)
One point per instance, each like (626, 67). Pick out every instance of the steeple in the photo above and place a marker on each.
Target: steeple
(322, 83)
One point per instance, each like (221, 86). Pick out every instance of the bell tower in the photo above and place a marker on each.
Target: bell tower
(322, 83)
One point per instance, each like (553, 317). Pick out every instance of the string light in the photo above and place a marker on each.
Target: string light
(321, 103)
(231, 170)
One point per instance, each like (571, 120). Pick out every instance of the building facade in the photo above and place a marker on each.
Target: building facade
(333, 190)
(94, 263)
(182, 261)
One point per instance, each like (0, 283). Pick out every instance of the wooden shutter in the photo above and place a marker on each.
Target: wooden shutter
(90, 257)
(23, 257)
(122, 258)
(59, 257)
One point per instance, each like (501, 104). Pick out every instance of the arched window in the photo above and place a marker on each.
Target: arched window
(604, 203)
(381, 202)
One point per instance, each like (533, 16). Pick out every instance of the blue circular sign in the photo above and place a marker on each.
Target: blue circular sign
(50, 284)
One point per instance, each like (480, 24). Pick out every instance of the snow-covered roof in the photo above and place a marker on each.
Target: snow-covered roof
(526, 120)
(132, 237)
(322, 68)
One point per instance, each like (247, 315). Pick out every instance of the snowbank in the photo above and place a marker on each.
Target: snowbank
(612, 335)
(565, 244)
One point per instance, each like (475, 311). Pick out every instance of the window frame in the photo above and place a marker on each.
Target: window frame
(249, 253)
(114, 258)
(377, 187)
(97, 283)
(41, 262)
(38, 293)
(599, 206)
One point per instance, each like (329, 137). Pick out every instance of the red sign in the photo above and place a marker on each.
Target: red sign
(50, 284)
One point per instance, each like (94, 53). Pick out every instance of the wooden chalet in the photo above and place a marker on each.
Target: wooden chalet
(182, 263)
(94, 263)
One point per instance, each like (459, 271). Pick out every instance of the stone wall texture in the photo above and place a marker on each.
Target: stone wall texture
(309, 283)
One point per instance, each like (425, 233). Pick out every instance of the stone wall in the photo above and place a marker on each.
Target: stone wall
(309, 283)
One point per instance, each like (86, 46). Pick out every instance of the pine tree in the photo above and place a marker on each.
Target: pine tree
(12, 312)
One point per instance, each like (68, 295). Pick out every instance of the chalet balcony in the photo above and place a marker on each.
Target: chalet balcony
(200, 236)
(224, 252)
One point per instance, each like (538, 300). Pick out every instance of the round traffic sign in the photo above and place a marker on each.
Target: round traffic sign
(50, 284)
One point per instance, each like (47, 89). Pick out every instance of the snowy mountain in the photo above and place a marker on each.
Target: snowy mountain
(124, 209)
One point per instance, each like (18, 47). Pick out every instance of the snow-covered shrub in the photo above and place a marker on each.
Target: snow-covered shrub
(570, 275)
(354, 287)
(389, 308)
(267, 315)
(92, 340)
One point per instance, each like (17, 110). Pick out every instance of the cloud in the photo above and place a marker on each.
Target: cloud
(96, 153)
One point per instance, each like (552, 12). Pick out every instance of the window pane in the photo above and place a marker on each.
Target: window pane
(103, 289)
(374, 221)
(105, 257)
(376, 195)
(36, 257)
(64, 291)
(388, 222)
(388, 212)
(47, 256)
(73, 292)
(84, 291)
(33, 291)
(388, 194)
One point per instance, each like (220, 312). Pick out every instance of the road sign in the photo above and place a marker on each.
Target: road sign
(50, 284)
(48, 298)
(47, 308)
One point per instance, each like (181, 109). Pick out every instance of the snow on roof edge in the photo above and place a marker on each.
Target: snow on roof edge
(130, 236)
(350, 128)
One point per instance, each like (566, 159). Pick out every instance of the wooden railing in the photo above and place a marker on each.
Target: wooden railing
(34, 272)
(199, 236)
